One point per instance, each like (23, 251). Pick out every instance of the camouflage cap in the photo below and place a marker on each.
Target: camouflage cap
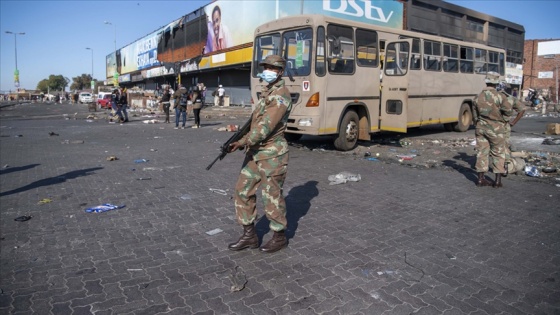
(492, 77)
(275, 61)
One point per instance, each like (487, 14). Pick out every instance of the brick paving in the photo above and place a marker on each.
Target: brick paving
(400, 241)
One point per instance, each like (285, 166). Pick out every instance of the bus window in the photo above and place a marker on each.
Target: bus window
(265, 45)
(320, 68)
(366, 43)
(466, 60)
(493, 61)
(480, 65)
(341, 49)
(297, 51)
(396, 59)
(432, 55)
(416, 60)
(450, 58)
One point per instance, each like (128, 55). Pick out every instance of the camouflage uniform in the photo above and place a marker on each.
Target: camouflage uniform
(266, 160)
(491, 106)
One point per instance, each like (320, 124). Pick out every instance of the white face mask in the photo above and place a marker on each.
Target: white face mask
(269, 76)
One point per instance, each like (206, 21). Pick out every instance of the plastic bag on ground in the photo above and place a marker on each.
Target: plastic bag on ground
(103, 208)
(343, 177)
(532, 171)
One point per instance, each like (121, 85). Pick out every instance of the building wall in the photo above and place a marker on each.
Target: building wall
(533, 64)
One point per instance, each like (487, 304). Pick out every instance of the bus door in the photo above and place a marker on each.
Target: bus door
(394, 86)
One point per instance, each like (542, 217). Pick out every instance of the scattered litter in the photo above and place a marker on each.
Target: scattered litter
(186, 197)
(134, 269)
(532, 171)
(553, 129)
(238, 279)
(112, 158)
(406, 157)
(405, 142)
(550, 141)
(473, 142)
(44, 201)
(152, 169)
(219, 191)
(153, 150)
(18, 136)
(366, 154)
(372, 159)
(157, 137)
(77, 141)
(380, 273)
(104, 208)
(214, 232)
(53, 134)
(23, 218)
(549, 170)
(343, 177)
(450, 256)
(144, 178)
(5, 166)
(150, 121)
(140, 161)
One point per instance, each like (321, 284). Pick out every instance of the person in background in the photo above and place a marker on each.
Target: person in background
(490, 108)
(266, 161)
(196, 98)
(115, 103)
(181, 99)
(221, 93)
(202, 89)
(165, 103)
(123, 101)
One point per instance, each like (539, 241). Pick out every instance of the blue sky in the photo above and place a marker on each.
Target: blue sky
(58, 32)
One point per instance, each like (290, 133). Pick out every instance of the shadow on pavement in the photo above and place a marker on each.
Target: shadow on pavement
(53, 180)
(298, 202)
(468, 172)
(17, 169)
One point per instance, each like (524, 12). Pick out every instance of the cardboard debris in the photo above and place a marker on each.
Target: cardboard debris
(553, 129)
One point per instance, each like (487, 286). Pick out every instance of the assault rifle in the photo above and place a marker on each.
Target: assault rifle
(224, 149)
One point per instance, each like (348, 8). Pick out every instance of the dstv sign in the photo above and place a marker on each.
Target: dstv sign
(386, 13)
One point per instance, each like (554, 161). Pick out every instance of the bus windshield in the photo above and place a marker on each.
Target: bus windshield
(295, 48)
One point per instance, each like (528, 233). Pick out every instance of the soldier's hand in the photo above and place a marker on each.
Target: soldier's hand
(235, 146)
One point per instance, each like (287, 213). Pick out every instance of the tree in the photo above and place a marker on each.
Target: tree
(82, 82)
(53, 83)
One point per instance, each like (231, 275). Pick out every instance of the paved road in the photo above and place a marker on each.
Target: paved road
(400, 241)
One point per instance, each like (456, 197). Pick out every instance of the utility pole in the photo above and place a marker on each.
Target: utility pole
(16, 72)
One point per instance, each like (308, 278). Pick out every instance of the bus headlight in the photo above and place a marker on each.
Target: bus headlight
(305, 122)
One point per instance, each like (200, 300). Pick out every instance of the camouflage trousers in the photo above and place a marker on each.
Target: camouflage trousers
(269, 174)
(491, 143)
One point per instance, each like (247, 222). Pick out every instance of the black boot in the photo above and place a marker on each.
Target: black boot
(482, 181)
(498, 182)
(276, 243)
(249, 239)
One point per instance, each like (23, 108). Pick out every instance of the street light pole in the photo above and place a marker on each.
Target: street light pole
(16, 72)
(116, 75)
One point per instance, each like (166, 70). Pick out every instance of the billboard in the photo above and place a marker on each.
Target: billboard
(220, 33)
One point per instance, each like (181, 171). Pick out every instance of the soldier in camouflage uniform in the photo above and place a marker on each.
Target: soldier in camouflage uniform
(490, 108)
(266, 161)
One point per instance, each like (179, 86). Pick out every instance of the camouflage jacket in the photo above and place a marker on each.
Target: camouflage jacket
(516, 106)
(265, 139)
(492, 107)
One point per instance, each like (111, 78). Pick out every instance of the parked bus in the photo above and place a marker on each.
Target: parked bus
(349, 79)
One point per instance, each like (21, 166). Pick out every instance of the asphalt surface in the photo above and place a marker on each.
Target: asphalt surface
(402, 240)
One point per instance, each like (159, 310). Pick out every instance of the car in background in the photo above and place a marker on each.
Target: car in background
(85, 97)
(104, 100)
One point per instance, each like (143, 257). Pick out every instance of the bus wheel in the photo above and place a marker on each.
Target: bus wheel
(348, 132)
(291, 137)
(465, 118)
